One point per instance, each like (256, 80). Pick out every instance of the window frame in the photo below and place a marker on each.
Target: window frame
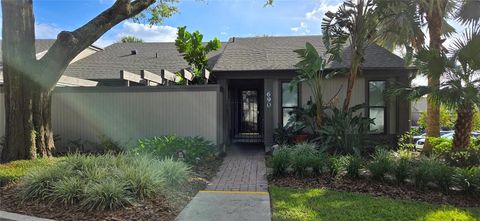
(384, 107)
(281, 100)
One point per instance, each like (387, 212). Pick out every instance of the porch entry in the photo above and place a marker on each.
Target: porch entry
(246, 105)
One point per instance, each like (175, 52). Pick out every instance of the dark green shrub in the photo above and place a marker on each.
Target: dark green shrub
(381, 163)
(354, 164)
(468, 179)
(464, 158)
(280, 160)
(402, 169)
(303, 156)
(196, 149)
(105, 181)
(432, 170)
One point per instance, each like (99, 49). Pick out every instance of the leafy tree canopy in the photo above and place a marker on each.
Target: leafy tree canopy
(193, 50)
(131, 39)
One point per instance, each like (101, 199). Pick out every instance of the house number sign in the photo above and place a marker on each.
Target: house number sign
(269, 99)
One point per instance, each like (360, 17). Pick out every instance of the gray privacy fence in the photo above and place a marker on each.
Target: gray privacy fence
(125, 114)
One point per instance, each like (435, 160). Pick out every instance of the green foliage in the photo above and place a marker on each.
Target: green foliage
(337, 164)
(405, 141)
(196, 149)
(103, 182)
(194, 51)
(343, 131)
(381, 163)
(303, 156)
(433, 170)
(468, 179)
(401, 169)
(447, 118)
(354, 164)
(442, 147)
(280, 160)
(14, 170)
(157, 12)
(324, 204)
(131, 39)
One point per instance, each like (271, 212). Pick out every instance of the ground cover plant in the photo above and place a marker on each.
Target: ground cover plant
(195, 149)
(323, 204)
(103, 182)
(15, 170)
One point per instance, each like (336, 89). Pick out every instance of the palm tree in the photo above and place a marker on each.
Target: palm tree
(356, 24)
(407, 19)
(460, 90)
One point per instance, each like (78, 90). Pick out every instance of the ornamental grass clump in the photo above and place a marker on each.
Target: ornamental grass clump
(104, 182)
(303, 156)
(432, 170)
(468, 179)
(353, 165)
(280, 160)
(381, 164)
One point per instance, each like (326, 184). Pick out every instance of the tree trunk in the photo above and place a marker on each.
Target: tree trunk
(463, 127)
(351, 81)
(434, 22)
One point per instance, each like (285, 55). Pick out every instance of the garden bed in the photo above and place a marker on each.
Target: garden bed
(156, 208)
(404, 192)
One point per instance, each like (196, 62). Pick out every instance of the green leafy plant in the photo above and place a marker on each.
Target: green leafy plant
(105, 181)
(401, 169)
(196, 149)
(405, 141)
(468, 179)
(303, 156)
(354, 164)
(337, 164)
(194, 51)
(381, 163)
(432, 169)
(280, 160)
(343, 131)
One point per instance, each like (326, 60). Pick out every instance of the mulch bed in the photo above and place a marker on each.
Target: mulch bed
(404, 192)
(160, 208)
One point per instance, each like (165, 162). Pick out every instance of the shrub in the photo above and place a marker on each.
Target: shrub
(303, 156)
(382, 162)
(103, 182)
(464, 158)
(280, 160)
(353, 164)
(468, 179)
(432, 170)
(401, 169)
(196, 149)
(337, 164)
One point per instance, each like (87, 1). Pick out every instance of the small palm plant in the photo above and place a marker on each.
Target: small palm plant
(460, 90)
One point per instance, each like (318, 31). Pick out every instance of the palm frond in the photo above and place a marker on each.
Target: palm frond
(467, 12)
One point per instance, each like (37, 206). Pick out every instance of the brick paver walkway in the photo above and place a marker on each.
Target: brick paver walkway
(241, 171)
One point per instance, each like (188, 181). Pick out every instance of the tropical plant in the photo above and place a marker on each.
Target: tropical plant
(354, 23)
(311, 69)
(381, 163)
(130, 39)
(403, 22)
(468, 179)
(343, 131)
(354, 164)
(194, 149)
(194, 51)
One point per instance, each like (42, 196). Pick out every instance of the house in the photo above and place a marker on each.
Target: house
(254, 74)
(247, 99)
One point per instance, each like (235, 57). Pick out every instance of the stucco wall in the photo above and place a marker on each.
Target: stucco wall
(126, 114)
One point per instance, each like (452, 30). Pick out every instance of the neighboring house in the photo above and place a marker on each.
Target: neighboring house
(252, 76)
(41, 48)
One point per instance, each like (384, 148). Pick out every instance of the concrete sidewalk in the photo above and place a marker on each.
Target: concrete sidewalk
(227, 206)
(6, 216)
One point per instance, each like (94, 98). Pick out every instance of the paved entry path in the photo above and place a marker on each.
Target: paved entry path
(237, 193)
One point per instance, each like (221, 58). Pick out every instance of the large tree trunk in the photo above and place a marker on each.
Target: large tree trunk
(463, 127)
(434, 21)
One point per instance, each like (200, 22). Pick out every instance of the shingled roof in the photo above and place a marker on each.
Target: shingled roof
(153, 57)
(277, 53)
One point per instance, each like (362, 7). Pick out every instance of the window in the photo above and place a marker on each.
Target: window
(376, 105)
(289, 101)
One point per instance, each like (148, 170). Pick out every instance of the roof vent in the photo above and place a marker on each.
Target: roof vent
(134, 52)
(233, 39)
(156, 54)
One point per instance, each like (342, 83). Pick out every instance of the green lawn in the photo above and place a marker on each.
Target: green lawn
(16, 169)
(323, 204)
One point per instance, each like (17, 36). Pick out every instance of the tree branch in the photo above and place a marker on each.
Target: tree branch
(69, 44)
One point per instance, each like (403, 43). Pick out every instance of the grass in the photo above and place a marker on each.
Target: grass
(322, 204)
(14, 170)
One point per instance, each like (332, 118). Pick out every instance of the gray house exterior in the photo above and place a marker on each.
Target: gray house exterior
(253, 76)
